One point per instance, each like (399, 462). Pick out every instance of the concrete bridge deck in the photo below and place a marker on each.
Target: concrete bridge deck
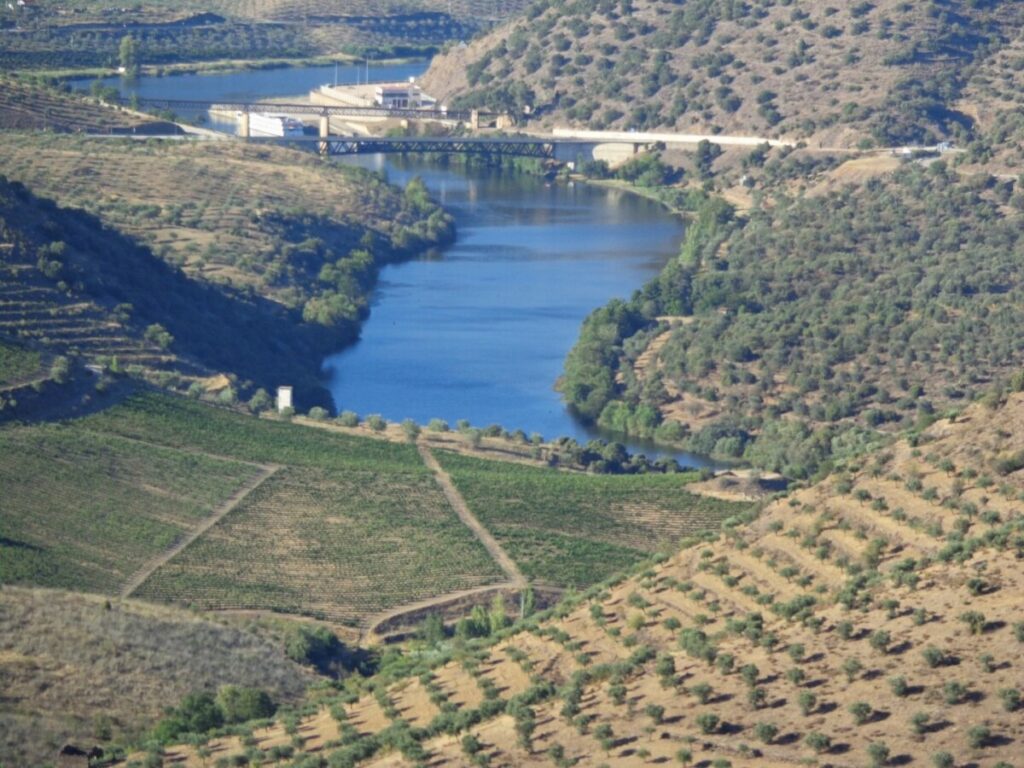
(306, 108)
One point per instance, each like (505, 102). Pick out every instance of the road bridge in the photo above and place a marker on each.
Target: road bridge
(566, 150)
(323, 111)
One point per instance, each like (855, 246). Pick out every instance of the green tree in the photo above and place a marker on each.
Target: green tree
(128, 55)
(242, 704)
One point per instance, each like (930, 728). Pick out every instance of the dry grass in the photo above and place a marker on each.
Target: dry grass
(72, 665)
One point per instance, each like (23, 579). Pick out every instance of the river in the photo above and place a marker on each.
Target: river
(479, 331)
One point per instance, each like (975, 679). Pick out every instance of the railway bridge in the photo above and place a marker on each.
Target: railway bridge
(472, 117)
(548, 148)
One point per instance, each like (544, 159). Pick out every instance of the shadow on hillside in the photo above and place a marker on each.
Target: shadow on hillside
(221, 328)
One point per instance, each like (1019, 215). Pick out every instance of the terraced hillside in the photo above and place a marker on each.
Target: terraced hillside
(75, 288)
(227, 213)
(28, 106)
(872, 619)
(886, 71)
(61, 680)
(572, 530)
(52, 34)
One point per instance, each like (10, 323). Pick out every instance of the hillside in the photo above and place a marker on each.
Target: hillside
(279, 222)
(78, 289)
(884, 71)
(814, 320)
(26, 106)
(53, 34)
(872, 619)
(168, 499)
(76, 667)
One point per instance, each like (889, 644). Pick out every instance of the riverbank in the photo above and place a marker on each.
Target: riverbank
(220, 67)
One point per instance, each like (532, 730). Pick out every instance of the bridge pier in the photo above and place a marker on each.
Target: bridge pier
(325, 131)
(243, 124)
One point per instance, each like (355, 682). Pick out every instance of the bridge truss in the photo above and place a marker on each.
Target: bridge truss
(496, 147)
(322, 110)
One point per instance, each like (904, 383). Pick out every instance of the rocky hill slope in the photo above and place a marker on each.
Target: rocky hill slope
(884, 71)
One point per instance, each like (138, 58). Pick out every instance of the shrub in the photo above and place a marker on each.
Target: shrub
(348, 419)
(861, 712)
(656, 712)
(819, 742)
(411, 430)
(898, 685)
(242, 704)
(943, 760)
(953, 692)
(702, 691)
(880, 640)
(975, 620)
(933, 656)
(708, 722)
(1011, 699)
(376, 422)
(979, 736)
(919, 722)
(766, 732)
(807, 702)
(852, 668)
(316, 413)
(879, 754)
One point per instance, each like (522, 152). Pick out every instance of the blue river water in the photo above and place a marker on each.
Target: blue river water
(479, 331)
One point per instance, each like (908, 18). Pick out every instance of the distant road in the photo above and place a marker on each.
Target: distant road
(618, 137)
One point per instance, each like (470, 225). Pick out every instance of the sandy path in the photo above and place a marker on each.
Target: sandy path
(506, 563)
(229, 504)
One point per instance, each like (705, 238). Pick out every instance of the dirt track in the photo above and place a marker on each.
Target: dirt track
(233, 501)
(506, 563)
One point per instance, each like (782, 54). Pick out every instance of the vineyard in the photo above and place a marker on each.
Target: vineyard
(575, 529)
(185, 424)
(17, 363)
(83, 510)
(873, 619)
(340, 545)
